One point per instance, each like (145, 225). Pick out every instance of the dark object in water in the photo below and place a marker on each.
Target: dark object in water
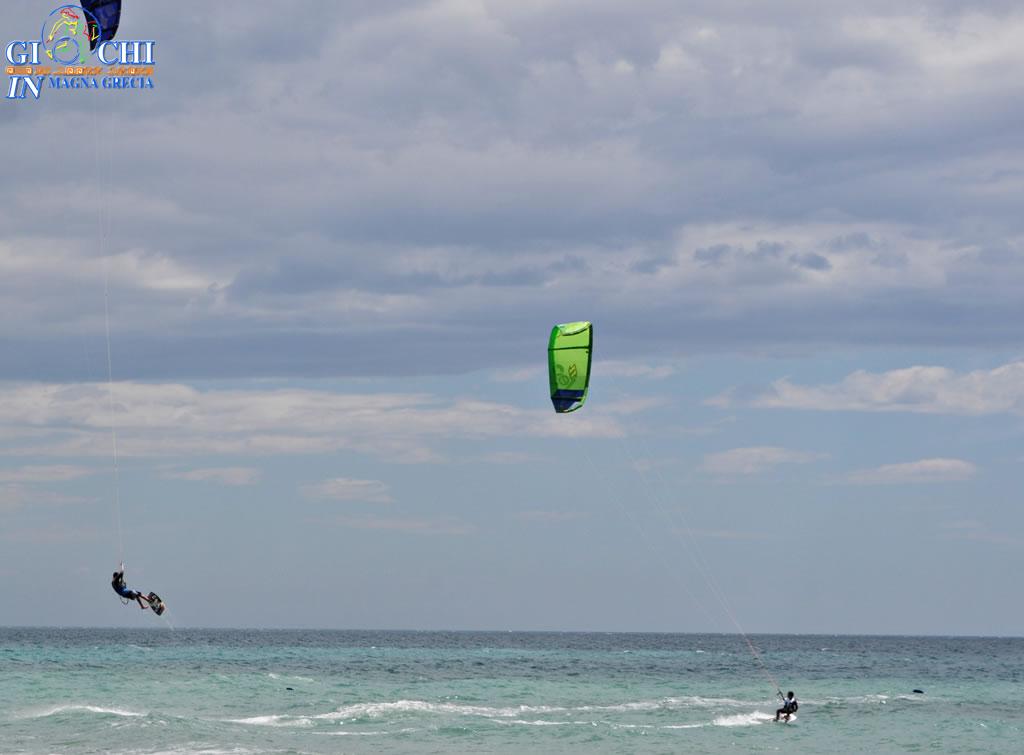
(292, 689)
(919, 691)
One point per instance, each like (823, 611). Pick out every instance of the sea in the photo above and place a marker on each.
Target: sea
(303, 691)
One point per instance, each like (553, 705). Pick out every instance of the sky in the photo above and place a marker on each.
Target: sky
(331, 242)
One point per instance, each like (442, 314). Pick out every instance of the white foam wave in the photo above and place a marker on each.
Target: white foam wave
(743, 719)
(668, 703)
(878, 699)
(342, 733)
(274, 675)
(361, 733)
(683, 726)
(208, 751)
(56, 710)
(274, 720)
(531, 715)
(694, 701)
(377, 710)
(623, 707)
(524, 722)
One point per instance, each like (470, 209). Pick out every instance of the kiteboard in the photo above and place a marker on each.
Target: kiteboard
(155, 604)
(792, 718)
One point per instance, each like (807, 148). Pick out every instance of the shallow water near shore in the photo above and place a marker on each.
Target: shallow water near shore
(303, 691)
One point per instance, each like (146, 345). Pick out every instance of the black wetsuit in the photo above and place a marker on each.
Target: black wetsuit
(789, 707)
(121, 588)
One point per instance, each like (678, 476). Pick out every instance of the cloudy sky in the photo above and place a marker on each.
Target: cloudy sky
(332, 242)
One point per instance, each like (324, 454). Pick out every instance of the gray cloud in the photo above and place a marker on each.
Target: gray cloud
(440, 174)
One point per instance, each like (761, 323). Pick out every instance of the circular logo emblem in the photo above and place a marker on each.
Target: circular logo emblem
(67, 33)
(566, 377)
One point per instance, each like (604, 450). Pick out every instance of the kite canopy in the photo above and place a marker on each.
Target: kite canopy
(105, 16)
(569, 364)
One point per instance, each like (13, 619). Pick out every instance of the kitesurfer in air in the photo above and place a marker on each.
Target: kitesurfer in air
(789, 706)
(117, 582)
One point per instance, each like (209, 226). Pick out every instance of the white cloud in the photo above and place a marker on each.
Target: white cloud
(45, 473)
(548, 517)
(974, 531)
(644, 465)
(11, 497)
(14, 496)
(724, 534)
(512, 457)
(54, 534)
(620, 369)
(923, 471)
(348, 489)
(628, 406)
(222, 475)
(176, 419)
(929, 390)
(521, 375)
(708, 428)
(749, 461)
(441, 526)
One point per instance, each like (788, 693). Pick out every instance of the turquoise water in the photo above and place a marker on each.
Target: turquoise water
(240, 691)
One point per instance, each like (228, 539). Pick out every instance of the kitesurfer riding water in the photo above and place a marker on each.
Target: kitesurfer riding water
(789, 706)
(144, 601)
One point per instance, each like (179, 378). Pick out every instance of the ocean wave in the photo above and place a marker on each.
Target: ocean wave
(743, 719)
(875, 699)
(608, 724)
(704, 702)
(667, 703)
(73, 708)
(388, 713)
(377, 710)
(274, 675)
(524, 722)
(380, 710)
(683, 726)
(274, 720)
(209, 749)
